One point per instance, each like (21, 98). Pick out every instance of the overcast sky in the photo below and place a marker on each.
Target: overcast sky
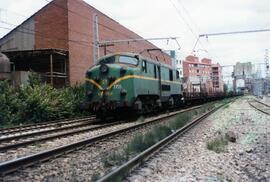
(165, 18)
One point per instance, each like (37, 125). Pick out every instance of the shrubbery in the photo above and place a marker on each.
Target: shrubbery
(37, 102)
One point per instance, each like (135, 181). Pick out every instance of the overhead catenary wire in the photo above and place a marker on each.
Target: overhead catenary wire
(195, 35)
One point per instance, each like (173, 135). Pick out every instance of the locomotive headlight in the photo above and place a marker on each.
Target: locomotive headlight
(96, 79)
(89, 93)
(104, 68)
(88, 74)
(123, 71)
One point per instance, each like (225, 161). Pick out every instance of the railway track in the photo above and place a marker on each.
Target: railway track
(49, 130)
(29, 127)
(122, 171)
(8, 146)
(13, 165)
(260, 106)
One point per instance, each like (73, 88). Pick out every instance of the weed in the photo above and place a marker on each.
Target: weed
(116, 158)
(218, 144)
(95, 176)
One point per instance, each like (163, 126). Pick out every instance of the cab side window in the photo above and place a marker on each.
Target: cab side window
(155, 71)
(144, 66)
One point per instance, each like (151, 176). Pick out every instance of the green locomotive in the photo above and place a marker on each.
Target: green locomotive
(130, 82)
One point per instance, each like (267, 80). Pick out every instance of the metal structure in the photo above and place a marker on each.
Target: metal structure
(137, 39)
(49, 64)
(96, 39)
(227, 33)
(106, 43)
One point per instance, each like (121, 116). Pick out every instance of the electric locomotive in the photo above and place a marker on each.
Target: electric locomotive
(124, 82)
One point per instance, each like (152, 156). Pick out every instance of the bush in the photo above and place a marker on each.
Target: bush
(35, 102)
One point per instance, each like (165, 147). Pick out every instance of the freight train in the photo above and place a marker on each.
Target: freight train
(124, 83)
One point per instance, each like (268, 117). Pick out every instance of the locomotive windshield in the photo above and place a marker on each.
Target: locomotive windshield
(119, 59)
(128, 60)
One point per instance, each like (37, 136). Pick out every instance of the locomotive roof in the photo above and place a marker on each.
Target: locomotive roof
(140, 56)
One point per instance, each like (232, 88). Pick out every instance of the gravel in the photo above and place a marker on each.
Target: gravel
(46, 128)
(188, 159)
(38, 147)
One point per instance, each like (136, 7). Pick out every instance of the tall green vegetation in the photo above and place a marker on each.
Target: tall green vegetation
(35, 102)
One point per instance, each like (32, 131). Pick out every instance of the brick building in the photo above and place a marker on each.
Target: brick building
(218, 84)
(202, 76)
(57, 41)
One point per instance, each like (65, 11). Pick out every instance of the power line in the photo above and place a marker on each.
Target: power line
(183, 19)
(188, 14)
(188, 26)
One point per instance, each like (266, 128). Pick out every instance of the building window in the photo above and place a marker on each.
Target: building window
(171, 75)
(177, 75)
(198, 71)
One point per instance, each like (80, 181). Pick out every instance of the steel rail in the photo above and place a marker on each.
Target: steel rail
(261, 110)
(16, 137)
(15, 164)
(41, 125)
(34, 141)
(124, 169)
(262, 103)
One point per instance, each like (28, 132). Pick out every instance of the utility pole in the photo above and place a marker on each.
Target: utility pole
(96, 39)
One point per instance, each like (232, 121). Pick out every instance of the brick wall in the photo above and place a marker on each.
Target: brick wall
(51, 26)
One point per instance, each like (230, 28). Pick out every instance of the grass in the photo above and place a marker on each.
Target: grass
(218, 144)
(114, 159)
(143, 141)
